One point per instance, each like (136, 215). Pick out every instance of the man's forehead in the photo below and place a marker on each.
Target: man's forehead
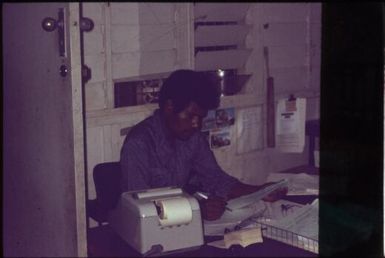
(194, 109)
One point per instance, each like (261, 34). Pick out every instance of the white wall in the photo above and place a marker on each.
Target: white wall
(133, 39)
(292, 33)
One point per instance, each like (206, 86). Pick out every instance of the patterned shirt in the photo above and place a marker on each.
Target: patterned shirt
(151, 158)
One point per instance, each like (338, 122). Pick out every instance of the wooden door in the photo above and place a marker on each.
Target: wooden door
(43, 156)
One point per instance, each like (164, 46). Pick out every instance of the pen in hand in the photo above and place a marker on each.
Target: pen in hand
(206, 197)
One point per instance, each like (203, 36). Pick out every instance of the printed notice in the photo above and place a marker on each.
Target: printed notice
(290, 125)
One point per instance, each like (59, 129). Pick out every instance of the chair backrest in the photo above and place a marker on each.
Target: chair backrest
(107, 179)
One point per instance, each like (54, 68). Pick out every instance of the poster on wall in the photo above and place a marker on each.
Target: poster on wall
(224, 117)
(249, 134)
(209, 122)
(216, 126)
(220, 137)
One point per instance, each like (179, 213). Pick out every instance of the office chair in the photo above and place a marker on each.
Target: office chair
(107, 177)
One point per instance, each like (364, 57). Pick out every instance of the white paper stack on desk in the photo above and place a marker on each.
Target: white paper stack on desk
(249, 231)
(299, 228)
(298, 184)
(297, 223)
(230, 219)
(241, 208)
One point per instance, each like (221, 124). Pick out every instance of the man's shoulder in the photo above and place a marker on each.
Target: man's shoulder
(144, 129)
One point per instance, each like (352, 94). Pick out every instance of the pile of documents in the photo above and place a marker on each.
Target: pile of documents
(303, 221)
(240, 209)
(249, 218)
(298, 184)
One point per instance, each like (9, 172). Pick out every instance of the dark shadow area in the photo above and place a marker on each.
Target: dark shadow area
(351, 183)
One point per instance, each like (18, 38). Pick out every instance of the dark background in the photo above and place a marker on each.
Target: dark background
(351, 141)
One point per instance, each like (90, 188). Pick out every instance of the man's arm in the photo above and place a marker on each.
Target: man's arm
(214, 207)
(220, 185)
(134, 165)
(212, 180)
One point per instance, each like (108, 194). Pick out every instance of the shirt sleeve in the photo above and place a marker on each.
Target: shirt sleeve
(133, 163)
(209, 175)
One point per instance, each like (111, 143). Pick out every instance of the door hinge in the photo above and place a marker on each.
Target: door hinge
(86, 73)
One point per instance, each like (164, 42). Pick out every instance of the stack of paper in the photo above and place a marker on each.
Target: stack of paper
(298, 184)
(228, 220)
(246, 200)
(240, 209)
(303, 221)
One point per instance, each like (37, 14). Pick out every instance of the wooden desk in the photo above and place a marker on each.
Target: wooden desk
(103, 242)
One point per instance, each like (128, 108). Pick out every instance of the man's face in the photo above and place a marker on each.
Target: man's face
(185, 123)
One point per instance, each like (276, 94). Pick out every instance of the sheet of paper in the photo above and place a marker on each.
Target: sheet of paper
(230, 219)
(279, 209)
(290, 125)
(303, 221)
(246, 217)
(298, 184)
(218, 244)
(249, 135)
(256, 196)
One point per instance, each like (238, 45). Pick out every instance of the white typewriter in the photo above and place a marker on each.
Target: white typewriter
(158, 221)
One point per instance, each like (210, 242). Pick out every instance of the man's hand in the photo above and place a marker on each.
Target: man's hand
(212, 208)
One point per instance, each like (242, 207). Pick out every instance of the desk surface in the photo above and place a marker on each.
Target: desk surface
(103, 242)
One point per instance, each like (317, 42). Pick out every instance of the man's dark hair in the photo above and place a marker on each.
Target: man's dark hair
(185, 86)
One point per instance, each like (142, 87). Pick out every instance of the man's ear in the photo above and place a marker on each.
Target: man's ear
(168, 107)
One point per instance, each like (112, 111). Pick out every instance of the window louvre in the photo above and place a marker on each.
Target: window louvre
(214, 35)
(223, 59)
(214, 12)
(219, 38)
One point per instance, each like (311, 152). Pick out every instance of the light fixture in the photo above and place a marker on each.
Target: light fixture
(221, 73)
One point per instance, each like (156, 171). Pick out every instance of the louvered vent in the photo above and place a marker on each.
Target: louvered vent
(220, 33)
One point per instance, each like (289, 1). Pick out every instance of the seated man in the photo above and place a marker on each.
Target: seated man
(168, 148)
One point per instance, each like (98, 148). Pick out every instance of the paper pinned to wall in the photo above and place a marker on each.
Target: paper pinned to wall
(217, 126)
(249, 129)
(290, 125)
